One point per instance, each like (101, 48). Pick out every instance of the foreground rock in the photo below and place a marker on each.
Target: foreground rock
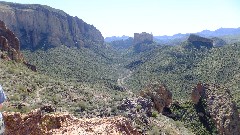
(35, 123)
(39, 26)
(147, 120)
(217, 102)
(161, 97)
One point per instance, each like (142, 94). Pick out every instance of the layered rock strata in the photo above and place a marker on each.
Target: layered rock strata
(39, 26)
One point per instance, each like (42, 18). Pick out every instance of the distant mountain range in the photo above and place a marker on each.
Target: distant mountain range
(220, 32)
(205, 33)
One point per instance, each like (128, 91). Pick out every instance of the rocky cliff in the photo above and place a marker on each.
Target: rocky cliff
(142, 42)
(198, 41)
(141, 38)
(37, 123)
(9, 44)
(40, 26)
(160, 96)
(216, 101)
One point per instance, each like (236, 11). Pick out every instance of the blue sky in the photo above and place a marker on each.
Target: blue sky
(159, 17)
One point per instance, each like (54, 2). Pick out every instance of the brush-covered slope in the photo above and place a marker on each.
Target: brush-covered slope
(28, 90)
(78, 65)
(39, 26)
(181, 67)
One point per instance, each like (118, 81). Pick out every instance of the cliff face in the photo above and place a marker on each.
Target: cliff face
(142, 42)
(217, 102)
(141, 38)
(198, 41)
(40, 26)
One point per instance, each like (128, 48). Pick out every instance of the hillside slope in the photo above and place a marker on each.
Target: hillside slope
(181, 68)
(28, 90)
(81, 65)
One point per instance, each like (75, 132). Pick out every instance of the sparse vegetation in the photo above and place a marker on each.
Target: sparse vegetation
(84, 81)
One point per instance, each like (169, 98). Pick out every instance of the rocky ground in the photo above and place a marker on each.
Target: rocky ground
(38, 123)
(216, 102)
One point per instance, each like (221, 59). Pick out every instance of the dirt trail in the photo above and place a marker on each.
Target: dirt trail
(122, 80)
(38, 97)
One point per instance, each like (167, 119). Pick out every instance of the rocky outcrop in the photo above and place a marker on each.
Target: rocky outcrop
(141, 38)
(9, 44)
(40, 26)
(198, 41)
(141, 41)
(160, 96)
(35, 123)
(217, 102)
(137, 106)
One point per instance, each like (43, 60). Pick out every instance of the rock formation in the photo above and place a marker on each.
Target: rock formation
(9, 44)
(132, 105)
(198, 41)
(140, 38)
(35, 123)
(161, 97)
(218, 103)
(40, 26)
(142, 41)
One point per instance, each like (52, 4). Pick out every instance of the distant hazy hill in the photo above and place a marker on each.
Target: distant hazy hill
(220, 32)
(115, 38)
(228, 34)
(121, 44)
(39, 26)
(178, 38)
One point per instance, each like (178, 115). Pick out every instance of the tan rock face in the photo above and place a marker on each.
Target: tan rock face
(141, 41)
(160, 96)
(144, 37)
(220, 106)
(9, 44)
(35, 123)
(43, 27)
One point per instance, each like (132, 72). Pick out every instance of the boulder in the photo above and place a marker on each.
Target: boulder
(160, 96)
